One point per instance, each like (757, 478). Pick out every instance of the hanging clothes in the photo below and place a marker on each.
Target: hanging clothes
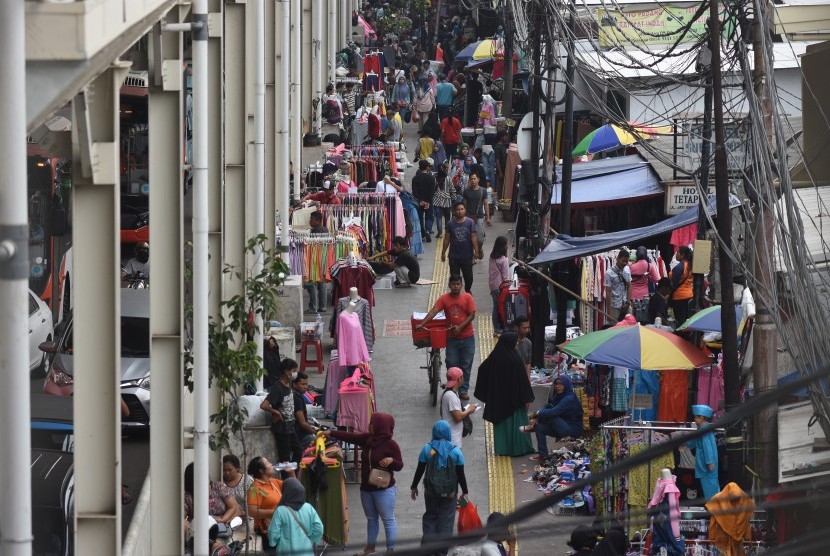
(352, 272)
(411, 206)
(673, 405)
(710, 389)
(364, 312)
(351, 345)
(647, 384)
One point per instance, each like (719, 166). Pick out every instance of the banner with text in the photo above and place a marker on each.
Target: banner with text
(645, 27)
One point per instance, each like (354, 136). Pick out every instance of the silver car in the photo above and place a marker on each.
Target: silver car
(40, 330)
(135, 358)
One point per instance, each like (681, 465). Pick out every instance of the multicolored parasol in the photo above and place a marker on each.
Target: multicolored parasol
(636, 347)
(606, 138)
(487, 49)
(708, 320)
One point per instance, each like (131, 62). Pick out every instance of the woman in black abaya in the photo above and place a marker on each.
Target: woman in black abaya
(504, 387)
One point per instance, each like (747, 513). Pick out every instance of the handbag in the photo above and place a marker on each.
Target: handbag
(379, 478)
(442, 199)
(415, 116)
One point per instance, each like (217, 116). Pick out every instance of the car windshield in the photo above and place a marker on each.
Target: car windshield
(135, 338)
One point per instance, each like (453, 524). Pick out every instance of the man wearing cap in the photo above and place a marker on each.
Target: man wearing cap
(706, 452)
(451, 410)
(423, 189)
(326, 197)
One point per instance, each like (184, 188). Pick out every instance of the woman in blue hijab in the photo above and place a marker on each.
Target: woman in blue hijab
(439, 460)
(560, 417)
(402, 96)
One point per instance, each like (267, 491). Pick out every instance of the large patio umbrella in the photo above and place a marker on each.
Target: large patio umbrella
(636, 347)
(708, 320)
(487, 49)
(606, 138)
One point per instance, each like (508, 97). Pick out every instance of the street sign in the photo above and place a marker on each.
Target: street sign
(690, 139)
(680, 197)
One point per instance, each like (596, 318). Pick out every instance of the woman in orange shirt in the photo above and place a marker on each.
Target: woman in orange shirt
(681, 279)
(264, 495)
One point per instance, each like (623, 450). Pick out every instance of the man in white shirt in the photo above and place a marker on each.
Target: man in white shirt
(451, 410)
(618, 286)
(387, 186)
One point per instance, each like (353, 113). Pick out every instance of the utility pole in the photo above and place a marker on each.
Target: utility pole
(765, 335)
(567, 174)
(705, 155)
(507, 95)
(541, 307)
(731, 376)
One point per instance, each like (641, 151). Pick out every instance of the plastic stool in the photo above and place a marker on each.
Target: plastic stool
(306, 361)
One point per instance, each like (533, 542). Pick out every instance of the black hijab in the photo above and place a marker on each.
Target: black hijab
(293, 494)
(502, 382)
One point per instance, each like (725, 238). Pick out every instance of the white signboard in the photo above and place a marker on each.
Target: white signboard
(682, 197)
(737, 147)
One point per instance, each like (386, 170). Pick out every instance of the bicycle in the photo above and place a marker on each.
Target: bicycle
(433, 366)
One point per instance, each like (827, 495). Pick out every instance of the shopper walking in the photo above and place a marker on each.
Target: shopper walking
(450, 132)
(380, 451)
(441, 464)
(451, 410)
(460, 310)
(504, 387)
(423, 189)
(442, 200)
(402, 97)
(681, 280)
(424, 102)
(462, 242)
(444, 94)
(498, 273)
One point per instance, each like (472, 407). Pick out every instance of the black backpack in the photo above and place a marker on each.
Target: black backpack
(441, 481)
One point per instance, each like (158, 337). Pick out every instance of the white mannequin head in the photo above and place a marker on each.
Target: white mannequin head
(350, 307)
(665, 474)
(353, 293)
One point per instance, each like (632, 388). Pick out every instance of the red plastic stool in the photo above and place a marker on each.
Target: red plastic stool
(306, 361)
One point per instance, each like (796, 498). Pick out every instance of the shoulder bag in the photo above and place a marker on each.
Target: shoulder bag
(378, 478)
(442, 198)
(466, 423)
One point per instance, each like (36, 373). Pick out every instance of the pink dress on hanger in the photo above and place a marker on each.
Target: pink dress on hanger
(351, 344)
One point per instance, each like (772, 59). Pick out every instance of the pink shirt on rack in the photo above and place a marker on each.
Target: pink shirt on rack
(351, 344)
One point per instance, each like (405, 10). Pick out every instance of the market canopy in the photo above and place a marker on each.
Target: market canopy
(609, 180)
(564, 247)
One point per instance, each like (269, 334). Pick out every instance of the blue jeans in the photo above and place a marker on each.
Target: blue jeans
(460, 353)
(488, 160)
(442, 217)
(380, 504)
(439, 518)
(497, 327)
(553, 426)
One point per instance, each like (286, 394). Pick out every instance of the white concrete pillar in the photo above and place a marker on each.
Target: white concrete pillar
(318, 57)
(296, 92)
(96, 328)
(166, 119)
(306, 69)
(334, 40)
(283, 139)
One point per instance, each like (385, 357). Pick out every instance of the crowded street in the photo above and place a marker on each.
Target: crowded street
(426, 277)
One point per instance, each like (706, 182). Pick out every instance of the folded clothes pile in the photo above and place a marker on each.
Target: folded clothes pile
(560, 469)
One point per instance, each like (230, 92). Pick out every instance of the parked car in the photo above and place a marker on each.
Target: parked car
(40, 330)
(53, 475)
(135, 357)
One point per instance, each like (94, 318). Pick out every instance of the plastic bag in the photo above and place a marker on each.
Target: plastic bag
(415, 117)
(468, 519)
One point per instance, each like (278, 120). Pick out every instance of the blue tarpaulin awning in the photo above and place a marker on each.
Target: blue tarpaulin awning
(564, 247)
(610, 180)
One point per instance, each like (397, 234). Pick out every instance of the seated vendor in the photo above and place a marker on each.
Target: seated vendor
(404, 264)
(560, 417)
(326, 197)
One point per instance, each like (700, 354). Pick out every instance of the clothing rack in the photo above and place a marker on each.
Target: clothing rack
(379, 216)
(311, 255)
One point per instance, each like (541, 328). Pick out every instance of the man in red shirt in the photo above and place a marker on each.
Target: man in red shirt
(460, 310)
(451, 134)
(326, 197)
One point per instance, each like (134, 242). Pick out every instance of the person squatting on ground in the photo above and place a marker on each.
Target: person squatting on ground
(460, 310)
(561, 416)
(441, 464)
(379, 451)
(280, 404)
(462, 242)
(404, 264)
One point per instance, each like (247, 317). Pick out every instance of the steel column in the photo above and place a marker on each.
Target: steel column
(15, 483)
(96, 329)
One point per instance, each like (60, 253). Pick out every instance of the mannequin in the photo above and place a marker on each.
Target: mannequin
(351, 344)
(664, 508)
(353, 295)
(363, 311)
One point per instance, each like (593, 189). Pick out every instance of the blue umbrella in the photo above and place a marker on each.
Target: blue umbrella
(467, 52)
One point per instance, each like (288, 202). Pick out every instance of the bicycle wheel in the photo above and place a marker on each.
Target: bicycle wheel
(434, 375)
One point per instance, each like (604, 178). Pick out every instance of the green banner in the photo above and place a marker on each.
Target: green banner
(648, 27)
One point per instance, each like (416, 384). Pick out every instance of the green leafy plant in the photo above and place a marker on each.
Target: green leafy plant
(235, 359)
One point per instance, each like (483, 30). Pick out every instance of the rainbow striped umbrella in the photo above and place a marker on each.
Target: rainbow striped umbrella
(636, 347)
(708, 320)
(606, 138)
